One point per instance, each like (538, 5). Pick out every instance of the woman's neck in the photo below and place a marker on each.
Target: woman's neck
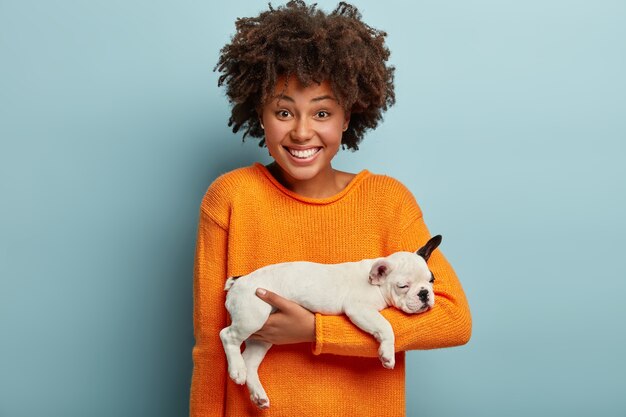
(324, 184)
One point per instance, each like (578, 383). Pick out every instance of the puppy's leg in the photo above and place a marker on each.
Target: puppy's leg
(252, 356)
(232, 337)
(374, 323)
(245, 321)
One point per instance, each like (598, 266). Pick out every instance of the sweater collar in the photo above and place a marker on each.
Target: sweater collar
(327, 200)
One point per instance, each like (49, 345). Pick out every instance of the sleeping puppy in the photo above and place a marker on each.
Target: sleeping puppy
(357, 289)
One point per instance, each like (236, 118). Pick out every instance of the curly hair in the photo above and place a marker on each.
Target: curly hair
(300, 40)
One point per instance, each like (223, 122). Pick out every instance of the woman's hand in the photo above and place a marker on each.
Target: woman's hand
(291, 323)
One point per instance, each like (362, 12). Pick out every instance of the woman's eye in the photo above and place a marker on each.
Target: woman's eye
(282, 114)
(323, 114)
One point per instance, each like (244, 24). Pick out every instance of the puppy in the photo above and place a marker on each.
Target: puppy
(357, 289)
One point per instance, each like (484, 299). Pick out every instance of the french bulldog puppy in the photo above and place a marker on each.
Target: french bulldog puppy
(360, 290)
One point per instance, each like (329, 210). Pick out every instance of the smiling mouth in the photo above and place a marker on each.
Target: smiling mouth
(304, 153)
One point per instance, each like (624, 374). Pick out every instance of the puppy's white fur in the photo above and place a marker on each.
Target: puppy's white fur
(358, 289)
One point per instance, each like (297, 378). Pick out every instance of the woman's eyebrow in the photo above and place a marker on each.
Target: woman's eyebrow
(320, 98)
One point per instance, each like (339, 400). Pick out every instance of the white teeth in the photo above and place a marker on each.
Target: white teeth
(303, 154)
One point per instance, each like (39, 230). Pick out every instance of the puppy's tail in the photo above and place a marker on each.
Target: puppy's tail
(229, 283)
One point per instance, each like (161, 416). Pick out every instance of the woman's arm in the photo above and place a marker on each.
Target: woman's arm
(447, 324)
(209, 317)
(291, 323)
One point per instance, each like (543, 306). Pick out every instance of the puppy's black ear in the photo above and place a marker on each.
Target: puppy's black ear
(379, 272)
(429, 247)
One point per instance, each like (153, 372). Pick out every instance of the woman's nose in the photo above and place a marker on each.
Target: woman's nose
(301, 131)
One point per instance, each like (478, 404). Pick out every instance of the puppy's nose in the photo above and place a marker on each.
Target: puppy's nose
(423, 295)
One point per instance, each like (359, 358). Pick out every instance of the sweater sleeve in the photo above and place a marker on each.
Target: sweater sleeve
(447, 324)
(209, 317)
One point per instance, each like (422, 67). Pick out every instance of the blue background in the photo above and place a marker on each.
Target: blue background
(509, 128)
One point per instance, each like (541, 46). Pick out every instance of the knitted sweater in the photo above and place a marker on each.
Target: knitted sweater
(247, 220)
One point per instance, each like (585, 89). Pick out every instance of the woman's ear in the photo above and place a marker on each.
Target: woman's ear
(346, 121)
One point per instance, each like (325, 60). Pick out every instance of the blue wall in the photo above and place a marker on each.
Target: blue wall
(509, 129)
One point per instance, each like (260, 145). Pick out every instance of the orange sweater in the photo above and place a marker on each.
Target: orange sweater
(247, 220)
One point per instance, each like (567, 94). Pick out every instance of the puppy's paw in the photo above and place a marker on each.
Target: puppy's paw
(388, 363)
(387, 357)
(238, 375)
(260, 401)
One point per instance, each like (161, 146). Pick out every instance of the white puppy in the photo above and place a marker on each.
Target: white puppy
(358, 289)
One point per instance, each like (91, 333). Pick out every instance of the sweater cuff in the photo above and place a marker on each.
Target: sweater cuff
(319, 337)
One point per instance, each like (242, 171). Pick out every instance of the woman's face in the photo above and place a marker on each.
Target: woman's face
(303, 128)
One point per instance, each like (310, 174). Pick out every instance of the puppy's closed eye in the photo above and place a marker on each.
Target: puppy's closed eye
(403, 287)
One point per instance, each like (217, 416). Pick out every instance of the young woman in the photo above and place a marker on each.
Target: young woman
(306, 83)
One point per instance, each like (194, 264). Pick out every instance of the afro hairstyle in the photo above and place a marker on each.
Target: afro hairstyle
(301, 40)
